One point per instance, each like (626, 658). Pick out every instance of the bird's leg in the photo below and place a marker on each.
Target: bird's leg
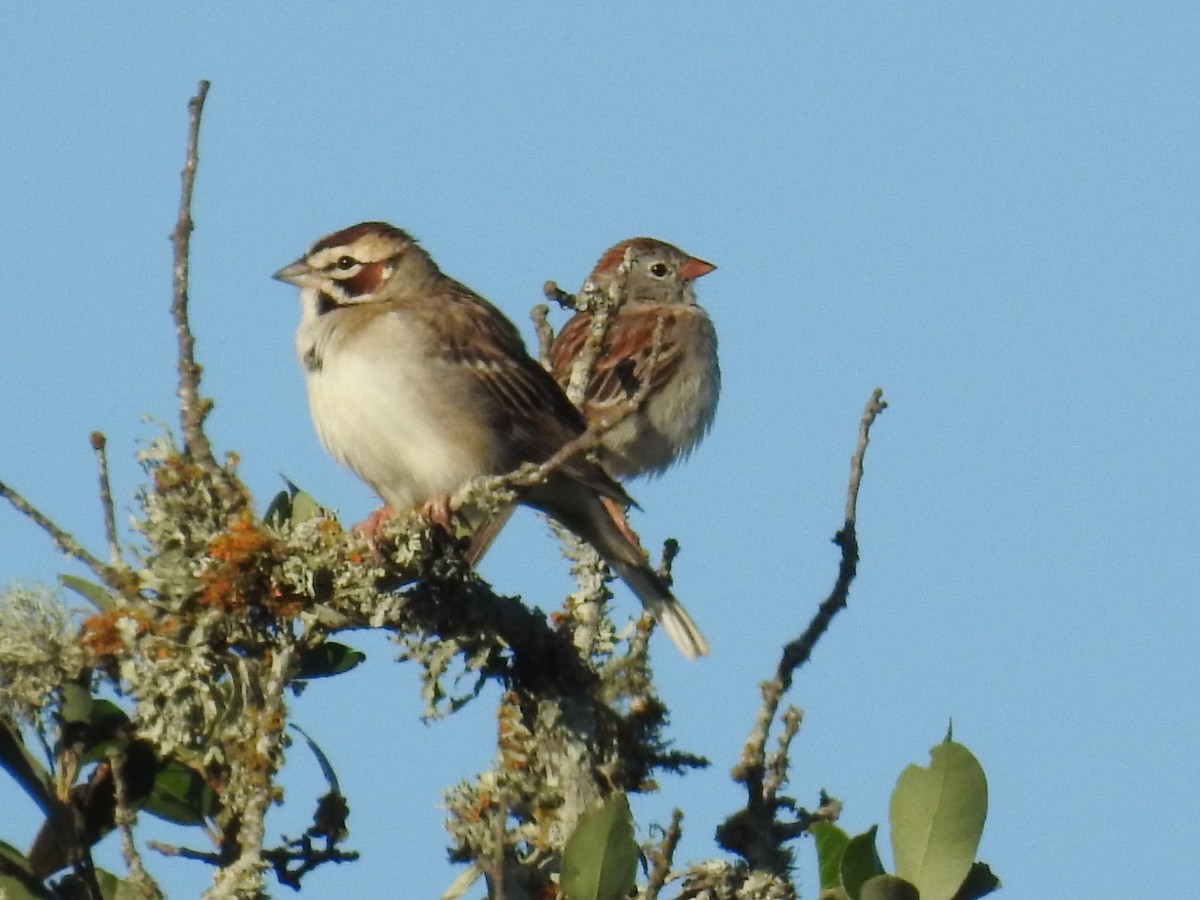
(437, 511)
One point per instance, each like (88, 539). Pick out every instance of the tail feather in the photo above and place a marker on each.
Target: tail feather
(667, 611)
(582, 511)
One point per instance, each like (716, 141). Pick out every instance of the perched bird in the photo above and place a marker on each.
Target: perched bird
(418, 384)
(679, 384)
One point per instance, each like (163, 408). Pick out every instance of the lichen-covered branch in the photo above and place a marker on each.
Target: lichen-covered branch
(213, 612)
(661, 856)
(539, 315)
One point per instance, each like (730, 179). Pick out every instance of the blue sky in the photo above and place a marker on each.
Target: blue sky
(992, 211)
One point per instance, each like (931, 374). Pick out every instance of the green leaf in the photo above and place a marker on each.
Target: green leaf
(279, 510)
(15, 858)
(77, 704)
(328, 658)
(111, 887)
(831, 843)
(322, 759)
(860, 862)
(292, 505)
(12, 889)
(180, 795)
(599, 861)
(93, 593)
(23, 767)
(92, 725)
(304, 507)
(980, 882)
(937, 817)
(889, 887)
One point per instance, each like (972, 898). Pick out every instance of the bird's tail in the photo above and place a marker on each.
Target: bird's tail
(661, 603)
(594, 521)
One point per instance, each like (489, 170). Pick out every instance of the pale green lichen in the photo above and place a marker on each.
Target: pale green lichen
(721, 880)
(39, 651)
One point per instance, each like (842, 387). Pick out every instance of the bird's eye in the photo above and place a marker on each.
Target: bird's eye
(659, 270)
(346, 262)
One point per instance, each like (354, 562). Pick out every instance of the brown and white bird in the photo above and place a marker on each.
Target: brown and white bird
(418, 384)
(684, 380)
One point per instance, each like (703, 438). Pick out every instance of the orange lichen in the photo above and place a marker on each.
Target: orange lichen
(102, 635)
(175, 471)
(244, 560)
(244, 556)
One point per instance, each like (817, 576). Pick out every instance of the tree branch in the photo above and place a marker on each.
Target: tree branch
(193, 408)
(99, 443)
(754, 832)
(66, 544)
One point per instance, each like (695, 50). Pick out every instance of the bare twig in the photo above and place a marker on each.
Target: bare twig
(875, 406)
(754, 832)
(545, 333)
(106, 502)
(213, 859)
(663, 856)
(557, 295)
(670, 550)
(66, 544)
(798, 651)
(193, 407)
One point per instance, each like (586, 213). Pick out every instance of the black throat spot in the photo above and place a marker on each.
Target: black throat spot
(326, 304)
(312, 360)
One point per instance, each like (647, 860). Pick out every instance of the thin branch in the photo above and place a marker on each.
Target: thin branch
(125, 818)
(67, 545)
(601, 308)
(556, 294)
(798, 651)
(193, 407)
(875, 406)
(99, 443)
(777, 763)
(213, 859)
(663, 857)
(545, 333)
(670, 550)
(590, 438)
(754, 832)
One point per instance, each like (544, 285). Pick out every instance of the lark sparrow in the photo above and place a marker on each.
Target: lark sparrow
(680, 400)
(418, 384)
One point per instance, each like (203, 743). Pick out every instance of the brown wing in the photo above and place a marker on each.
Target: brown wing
(624, 362)
(528, 407)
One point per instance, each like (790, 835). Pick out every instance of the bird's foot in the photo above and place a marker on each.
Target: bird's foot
(437, 511)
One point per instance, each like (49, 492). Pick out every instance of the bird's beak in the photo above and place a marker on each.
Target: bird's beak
(691, 269)
(297, 273)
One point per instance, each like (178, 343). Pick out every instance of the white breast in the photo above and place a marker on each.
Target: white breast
(386, 409)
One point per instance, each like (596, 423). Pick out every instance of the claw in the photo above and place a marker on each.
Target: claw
(437, 511)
